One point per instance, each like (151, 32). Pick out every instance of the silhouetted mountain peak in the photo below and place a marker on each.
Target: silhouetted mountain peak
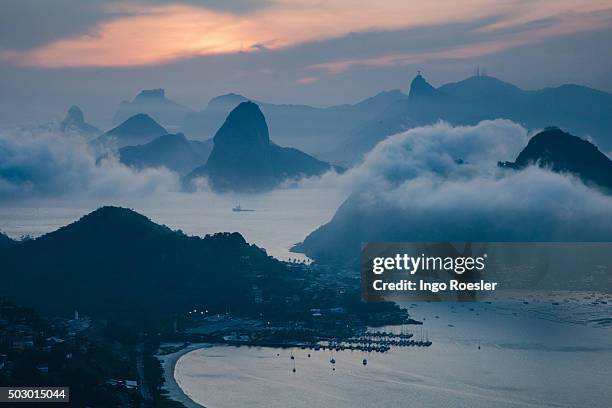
(245, 126)
(75, 121)
(554, 145)
(478, 86)
(381, 99)
(243, 157)
(5, 240)
(75, 114)
(110, 220)
(562, 152)
(116, 262)
(154, 103)
(227, 101)
(112, 212)
(173, 151)
(139, 123)
(420, 88)
(158, 93)
(136, 130)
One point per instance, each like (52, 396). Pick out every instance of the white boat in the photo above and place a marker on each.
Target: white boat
(238, 208)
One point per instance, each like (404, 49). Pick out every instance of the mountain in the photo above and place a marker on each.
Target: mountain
(311, 129)
(117, 264)
(5, 241)
(174, 152)
(481, 86)
(244, 159)
(581, 110)
(74, 122)
(565, 153)
(437, 217)
(154, 103)
(137, 130)
(420, 89)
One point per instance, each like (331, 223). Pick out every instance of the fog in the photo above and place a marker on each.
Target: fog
(42, 162)
(48, 180)
(439, 150)
(442, 183)
(436, 182)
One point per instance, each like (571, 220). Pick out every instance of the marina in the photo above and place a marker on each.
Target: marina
(502, 346)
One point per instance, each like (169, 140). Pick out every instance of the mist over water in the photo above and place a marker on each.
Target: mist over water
(341, 124)
(427, 175)
(281, 217)
(49, 179)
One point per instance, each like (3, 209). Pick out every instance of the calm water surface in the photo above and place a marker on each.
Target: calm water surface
(281, 217)
(527, 358)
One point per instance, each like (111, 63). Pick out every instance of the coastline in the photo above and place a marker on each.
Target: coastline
(171, 386)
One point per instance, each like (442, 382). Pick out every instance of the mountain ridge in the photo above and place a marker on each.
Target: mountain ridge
(75, 122)
(563, 152)
(116, 263)
(244, 158)
(579, 109)
(136, 130)
(154, 103)
(365, 220)
(173, 151)
(314, 130)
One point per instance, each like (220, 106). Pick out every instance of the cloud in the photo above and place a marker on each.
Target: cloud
(307, 80)
(159, 32)
(35, 23)
(416, 175)
(530, 205)
(413, 187)
(439, 150)
(485, 41)
(44, 163)
(444, 179)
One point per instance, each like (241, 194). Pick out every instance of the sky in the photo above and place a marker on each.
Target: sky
(95, 53)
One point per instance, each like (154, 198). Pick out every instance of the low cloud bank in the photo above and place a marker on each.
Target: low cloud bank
(439, 150)
(442, 183)
(531, 205)
(44, 163)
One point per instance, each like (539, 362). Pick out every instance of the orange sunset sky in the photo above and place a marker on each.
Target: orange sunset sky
(303, 45)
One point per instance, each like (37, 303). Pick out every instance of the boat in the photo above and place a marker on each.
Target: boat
(365, 362)
(238, 208)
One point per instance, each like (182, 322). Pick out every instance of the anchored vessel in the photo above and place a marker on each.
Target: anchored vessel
(238, 208)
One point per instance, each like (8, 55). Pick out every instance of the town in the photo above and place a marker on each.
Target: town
(108, 362)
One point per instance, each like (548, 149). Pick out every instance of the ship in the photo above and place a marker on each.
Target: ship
(238, 208)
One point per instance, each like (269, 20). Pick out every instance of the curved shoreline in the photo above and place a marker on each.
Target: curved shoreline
(168, 363)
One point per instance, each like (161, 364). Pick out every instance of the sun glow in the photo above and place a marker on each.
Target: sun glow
(144, 34)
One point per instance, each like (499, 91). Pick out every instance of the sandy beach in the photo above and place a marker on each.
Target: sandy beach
(549, 350)
(168, 362)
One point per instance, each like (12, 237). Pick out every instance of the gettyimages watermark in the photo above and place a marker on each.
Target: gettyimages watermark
(468, 271)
